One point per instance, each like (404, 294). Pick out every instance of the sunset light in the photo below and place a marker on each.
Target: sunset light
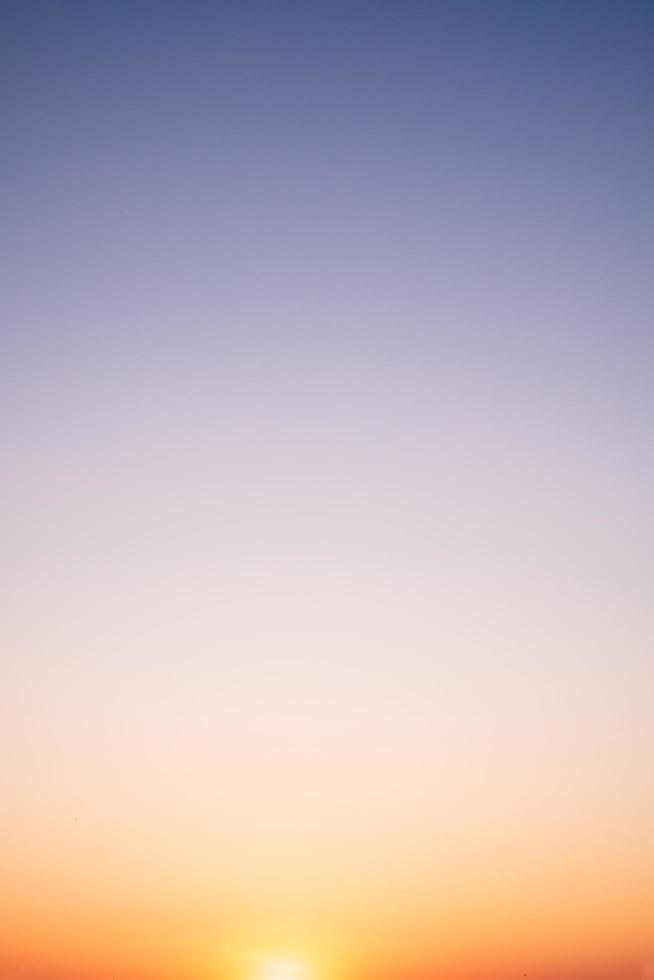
(284, 968)
(327, 468)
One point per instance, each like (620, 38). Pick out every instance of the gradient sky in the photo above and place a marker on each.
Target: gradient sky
(327, 407)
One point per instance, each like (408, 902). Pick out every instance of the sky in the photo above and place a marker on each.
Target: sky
(326, 412)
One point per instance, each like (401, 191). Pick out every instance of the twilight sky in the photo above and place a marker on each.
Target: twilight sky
(327, 374)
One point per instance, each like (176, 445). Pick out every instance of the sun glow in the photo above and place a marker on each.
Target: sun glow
(284, 968)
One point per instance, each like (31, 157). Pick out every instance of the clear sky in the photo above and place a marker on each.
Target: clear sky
(327, 374)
